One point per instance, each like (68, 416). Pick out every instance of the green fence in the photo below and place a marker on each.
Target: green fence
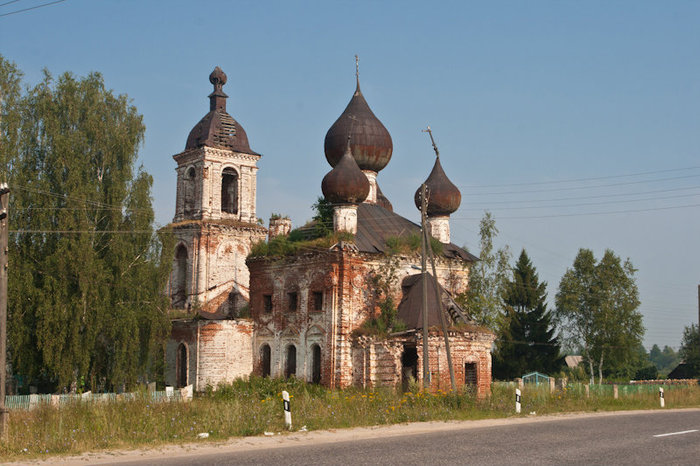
(26, 402)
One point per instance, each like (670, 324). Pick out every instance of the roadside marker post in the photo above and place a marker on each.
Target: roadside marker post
(287, 411)
(661, 397)
(517, 400)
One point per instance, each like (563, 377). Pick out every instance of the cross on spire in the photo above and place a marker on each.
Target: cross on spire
(430, 132)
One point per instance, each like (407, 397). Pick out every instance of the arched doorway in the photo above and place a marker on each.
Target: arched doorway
(179, 282)
(315, 364)
(181, 366)
(265, 360)
(229, 191)
(291, 366)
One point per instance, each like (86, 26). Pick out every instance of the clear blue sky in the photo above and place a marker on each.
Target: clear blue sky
(516, 92)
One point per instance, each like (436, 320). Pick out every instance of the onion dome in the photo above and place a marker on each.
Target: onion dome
(345, 184)
(443, 196)
(218, 129)
(383, 201)
(371, 142)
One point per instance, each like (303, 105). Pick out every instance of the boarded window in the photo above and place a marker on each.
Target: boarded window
(291, 366)
(265, 360)
(316, 364)
(267, 303)
(292, 301)
(471, 376)
(229, 191)
(317, 301)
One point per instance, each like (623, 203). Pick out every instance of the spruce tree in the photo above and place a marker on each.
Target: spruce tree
(526, 340)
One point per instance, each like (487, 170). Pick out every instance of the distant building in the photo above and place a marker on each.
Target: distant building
(309, 310)
(572, 361)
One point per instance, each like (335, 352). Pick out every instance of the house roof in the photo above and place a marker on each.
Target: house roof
(375, 225)
(573, 360)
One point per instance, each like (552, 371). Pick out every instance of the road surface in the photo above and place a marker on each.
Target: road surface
(640, 437)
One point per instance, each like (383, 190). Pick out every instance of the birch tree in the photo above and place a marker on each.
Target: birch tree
(596, 306)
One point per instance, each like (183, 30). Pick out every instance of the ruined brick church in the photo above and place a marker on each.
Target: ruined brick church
(305, 314)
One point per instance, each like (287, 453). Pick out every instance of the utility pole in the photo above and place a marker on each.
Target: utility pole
(441, 315)
(4, 200)
(438, 297)
(423, 270)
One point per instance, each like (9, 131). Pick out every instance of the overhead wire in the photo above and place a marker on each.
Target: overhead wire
(30, 8)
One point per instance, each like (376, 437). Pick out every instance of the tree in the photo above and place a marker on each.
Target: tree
(526, 337)
(664, 360)
(487, 277)
(597, 305)
(690, 349)
(87, 266)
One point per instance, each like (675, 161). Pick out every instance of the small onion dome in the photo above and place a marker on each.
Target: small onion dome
(443, 196)
(383, 201)
(345, 183)
(218, 129)
(371, 142)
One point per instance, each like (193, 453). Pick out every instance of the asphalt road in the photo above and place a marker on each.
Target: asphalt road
(639, 438)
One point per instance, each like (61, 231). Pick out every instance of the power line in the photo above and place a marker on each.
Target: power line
(583, 187)
(572, 180)
(31, 8)
(588, 213)
(7, 3)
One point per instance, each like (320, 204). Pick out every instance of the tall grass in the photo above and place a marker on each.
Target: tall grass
(254, 406)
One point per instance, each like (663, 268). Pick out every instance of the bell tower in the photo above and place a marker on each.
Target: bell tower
(215, 223)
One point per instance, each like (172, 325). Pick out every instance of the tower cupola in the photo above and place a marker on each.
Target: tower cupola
(218, 129)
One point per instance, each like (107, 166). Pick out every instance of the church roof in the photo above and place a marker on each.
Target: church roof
(217, 128)
(443, 196)
(345, 183)
(410, 309)
(375, 225)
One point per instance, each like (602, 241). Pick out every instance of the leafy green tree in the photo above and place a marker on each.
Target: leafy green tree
(527, 340)
(597, 305)
(87, 266)
(690, 349)
(664, 360)
(487, 277)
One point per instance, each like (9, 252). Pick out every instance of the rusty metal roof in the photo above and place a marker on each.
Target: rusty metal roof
(410, 309)
(219, 129)
(375, 225)
(444, 197)
(345, 183)
(371, 142)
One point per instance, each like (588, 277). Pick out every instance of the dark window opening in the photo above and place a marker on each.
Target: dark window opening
(317, 301)
(470, 374)
(179, 278)
(267, 303)
(292, 301)
(190, 178)
(409, 366)
(181, 369)
(265, 360)
(291, 366)
(316, 364)
(232, 299)
(229, 191)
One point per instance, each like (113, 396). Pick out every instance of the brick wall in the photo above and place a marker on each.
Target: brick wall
(217, 351)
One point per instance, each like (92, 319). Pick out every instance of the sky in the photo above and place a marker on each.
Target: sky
(577, 124)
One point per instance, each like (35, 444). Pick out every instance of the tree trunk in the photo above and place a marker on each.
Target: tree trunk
(590, 370)
(600, 367)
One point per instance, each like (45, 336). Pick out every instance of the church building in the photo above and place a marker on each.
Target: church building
(320, 310)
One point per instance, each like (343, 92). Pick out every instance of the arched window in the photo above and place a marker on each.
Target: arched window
(315, 364)
(229, 191)
(265, 360)
(291, 366)
(189, 195)
(179, 280)
(181, 366)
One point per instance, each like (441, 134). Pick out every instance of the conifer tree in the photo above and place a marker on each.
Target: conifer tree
(526, 340)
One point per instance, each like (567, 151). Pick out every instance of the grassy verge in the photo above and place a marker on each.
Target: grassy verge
(253, 407)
